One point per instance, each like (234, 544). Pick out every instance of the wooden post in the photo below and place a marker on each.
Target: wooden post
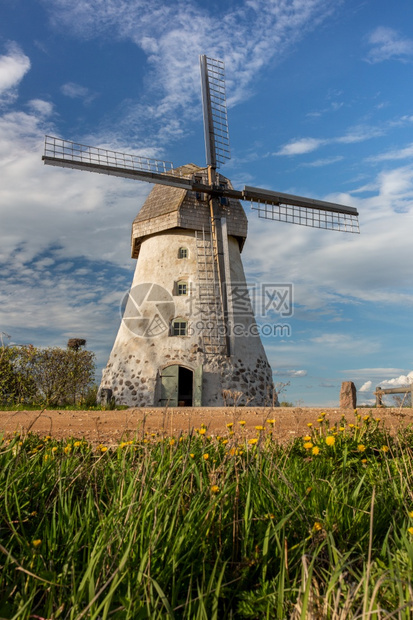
(379, 396)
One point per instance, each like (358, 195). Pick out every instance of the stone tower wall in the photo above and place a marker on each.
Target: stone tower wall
(142, 349)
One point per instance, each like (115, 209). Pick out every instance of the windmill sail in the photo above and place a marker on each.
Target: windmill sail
(215, 111)
(66, 154)
(303, 211)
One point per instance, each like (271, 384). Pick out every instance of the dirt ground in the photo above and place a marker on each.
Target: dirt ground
(110, 427)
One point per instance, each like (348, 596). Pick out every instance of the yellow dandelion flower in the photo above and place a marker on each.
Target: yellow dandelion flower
(36, 543)
(317, 526)
(308, 445)
(47, 438)
(230, 424)
(214, 489)
(253, 441)
(242, 422)
(54, 449)
(342, 428)
(77, 444)
(67, 449)
(271, 422)
(171, 442)
(192, 456)
(361, 447)
(366, 418)
(411, 514)
(224, 443)
(309, 424)
(330, 441)
(410, 530)
(351, 425)
(320, 419)
(385, 448)
(206, 457)
(364, 461)
(307, 438)
(259, 428)
(202, 431)
(46, 457)
(315, 450)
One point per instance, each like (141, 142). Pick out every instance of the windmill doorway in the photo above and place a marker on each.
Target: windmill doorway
(181, 386)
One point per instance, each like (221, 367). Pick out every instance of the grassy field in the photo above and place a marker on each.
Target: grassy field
(201, 527)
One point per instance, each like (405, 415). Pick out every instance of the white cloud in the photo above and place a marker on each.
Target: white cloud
(40, 107)
(402, 380)
(301, 146)
(366, 387)
(388, 44)
(13, 67)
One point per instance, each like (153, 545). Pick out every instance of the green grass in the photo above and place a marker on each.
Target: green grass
(200, 527)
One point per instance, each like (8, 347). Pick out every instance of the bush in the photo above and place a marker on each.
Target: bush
(46, 376)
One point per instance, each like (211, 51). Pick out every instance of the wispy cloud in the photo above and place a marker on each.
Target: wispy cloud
(248, 35)
(393, 155)
(388, 44)
(302, 146)
(76, 91)
(293, 374)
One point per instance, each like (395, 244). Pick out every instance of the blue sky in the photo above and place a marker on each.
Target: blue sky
(320, 105)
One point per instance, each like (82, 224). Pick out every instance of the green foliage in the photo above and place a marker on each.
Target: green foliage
(197, 527)
(17, 383)
(48, 376)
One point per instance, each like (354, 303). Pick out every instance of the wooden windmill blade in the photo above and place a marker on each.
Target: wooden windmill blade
(66, 154)
(303, 211)
(214, 106)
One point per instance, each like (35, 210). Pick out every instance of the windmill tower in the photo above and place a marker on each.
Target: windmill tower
(188, 334)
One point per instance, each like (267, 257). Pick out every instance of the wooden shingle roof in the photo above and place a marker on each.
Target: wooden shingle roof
(171, 207)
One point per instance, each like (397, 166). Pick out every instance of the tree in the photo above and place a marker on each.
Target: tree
(51, 376)
(63, 375)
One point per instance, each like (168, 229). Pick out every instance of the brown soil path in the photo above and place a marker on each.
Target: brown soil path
(109, 427)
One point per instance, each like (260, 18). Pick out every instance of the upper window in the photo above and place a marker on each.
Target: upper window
(179, 327)
(183, 253)
(182, 288)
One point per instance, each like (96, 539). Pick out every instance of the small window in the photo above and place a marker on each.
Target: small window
(179, 327)
(182, 288)
(183, 253)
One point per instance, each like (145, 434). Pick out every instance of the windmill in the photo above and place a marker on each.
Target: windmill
(188, 334)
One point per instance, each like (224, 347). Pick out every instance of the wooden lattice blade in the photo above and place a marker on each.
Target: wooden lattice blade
(214, 107)
(303, 211)
(68, 154)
